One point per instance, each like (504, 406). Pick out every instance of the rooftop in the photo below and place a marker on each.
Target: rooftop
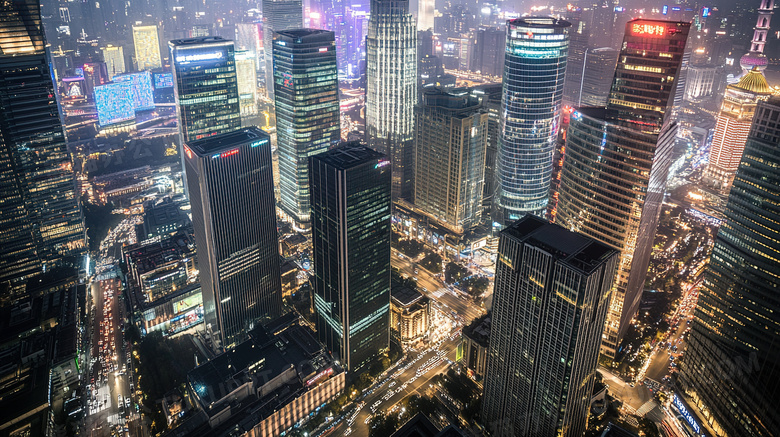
(754, 81)
(479, 329)
(540, 22)
(406, 296)
(228, 140)
(302, 34)
(199, 41)
(349, 154)
(577, 250)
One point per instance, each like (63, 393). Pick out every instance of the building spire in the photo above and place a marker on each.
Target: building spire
(756, 57)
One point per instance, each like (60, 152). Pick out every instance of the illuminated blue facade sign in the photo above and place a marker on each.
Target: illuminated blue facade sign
(665, 10)
(114, 103)
(687, 415)
(141, 88)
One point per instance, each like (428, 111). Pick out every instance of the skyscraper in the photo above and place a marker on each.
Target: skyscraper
(114, 58)
(549, 304)
(391, 72)
(147, 47)
(40, 220)
(450, 140)
(278, 15)
(731, 369)
(307, 110)
(425, 14)
(246, 77)
(205, 86)
(731, 129)
(535, 62)
(488, 54)
(350, 199)
(756, 57)
(579, 36)
(597, 76)
(231, 191)
(617, 160)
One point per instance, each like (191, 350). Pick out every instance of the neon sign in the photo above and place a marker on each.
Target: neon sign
(648, 29)
(382, 164)
(323, 49)
(188, 152)
(225, 154)
(199, 57)
(688, 416)
(259, 143)
(317, 377)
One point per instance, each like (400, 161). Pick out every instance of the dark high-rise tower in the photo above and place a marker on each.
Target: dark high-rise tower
(731, 368)
(617, 160)
(391, 92)
(597, 76)
(231, 191)
(350, 200)
(278, 15)
(205, 86)
(579, 36)
(535, 63)
(307, 110)
(549, 304)
(40, 220)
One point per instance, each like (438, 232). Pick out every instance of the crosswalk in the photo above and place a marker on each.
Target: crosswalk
(646, 408)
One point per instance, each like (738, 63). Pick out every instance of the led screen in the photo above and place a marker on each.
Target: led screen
(163, 80)
(141, 88)
(114, 102)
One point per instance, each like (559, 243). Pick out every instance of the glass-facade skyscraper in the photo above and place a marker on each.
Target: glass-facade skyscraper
(350, 199)
(278, 15)
(731, 368)
(231, 190)
(550, 301)
(41, 225)
(306, 94)
(450, 139)
(391, 93)
(534, 66)
(205, 86)
(617, 160)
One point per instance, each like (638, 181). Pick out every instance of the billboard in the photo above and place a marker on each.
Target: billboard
(114, 103)
(141, 88)
(163, 80)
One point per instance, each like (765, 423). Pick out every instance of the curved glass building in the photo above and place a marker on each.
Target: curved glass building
(534, 67)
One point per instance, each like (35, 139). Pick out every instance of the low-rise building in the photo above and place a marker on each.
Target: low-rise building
(409, 314)
(161, 219)
(263, 386)
(474, 343)
(158, 268)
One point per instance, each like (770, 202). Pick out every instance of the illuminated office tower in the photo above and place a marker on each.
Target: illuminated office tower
(307, 111)
(597, 76)
(579, 35)
(731, 369)
(147, 48)
(278, 15)
(700, 82)
(731, 129)
(350, 200)
(391, 73)
(248, 38)
(40, 220)
(535, 62)
(617, 160)
(205, 86)
(231, 190)
(246, 76)
(549, 304)
(114, 57)
(450, 139)
(425, 14)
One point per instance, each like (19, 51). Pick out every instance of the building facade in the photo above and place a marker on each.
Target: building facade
(114, 58)
(205, 86)
(548, 280)
(391, 92)
(231, 191)
(41, 225)
(579, 37)
(730, 373)
(597, 76)
(700, 82)
(246, 77)
(535, 62)
(474, 342)
(732, 128)
(450, 141)
(350, 200)
(410, 315)
(617, 161)
(147, 48)
(278, 15)
(307, 111)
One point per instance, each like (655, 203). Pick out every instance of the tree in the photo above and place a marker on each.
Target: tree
(432, 262)
(454, 272)
(475, 286)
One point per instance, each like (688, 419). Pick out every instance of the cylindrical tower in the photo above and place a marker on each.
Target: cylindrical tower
(534, 67)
